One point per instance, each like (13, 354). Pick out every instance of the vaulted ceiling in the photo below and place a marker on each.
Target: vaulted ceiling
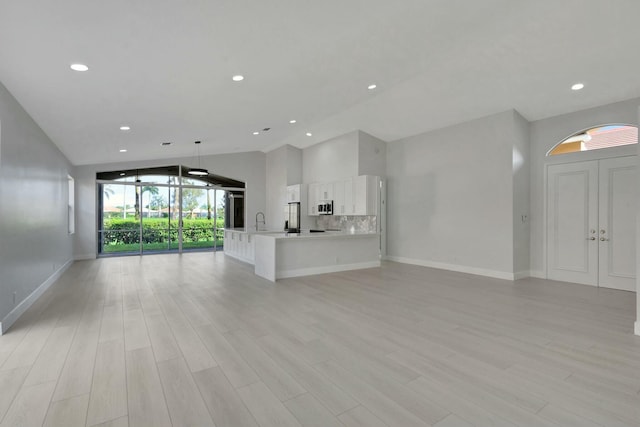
(165, 68)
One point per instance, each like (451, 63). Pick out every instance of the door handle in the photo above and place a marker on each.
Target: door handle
(604, 239)
(591, 238)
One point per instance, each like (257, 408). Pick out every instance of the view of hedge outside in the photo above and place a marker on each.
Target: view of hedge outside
(123, 235)
(157, 207)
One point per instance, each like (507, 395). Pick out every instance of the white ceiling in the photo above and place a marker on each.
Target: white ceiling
(164, 67)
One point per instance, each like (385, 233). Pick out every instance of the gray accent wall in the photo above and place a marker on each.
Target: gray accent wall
(34, 242)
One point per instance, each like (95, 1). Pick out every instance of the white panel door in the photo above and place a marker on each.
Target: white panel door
(617, 218)
(572, 222)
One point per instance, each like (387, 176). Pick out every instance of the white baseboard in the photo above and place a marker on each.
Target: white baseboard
(636, 328)
(83, 257)
(283, 274)
(454, 267)
(24, 305)
(239, 258)
(521, 274)
(537, 274)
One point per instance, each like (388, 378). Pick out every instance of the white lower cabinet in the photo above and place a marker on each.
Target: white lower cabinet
(239, 245)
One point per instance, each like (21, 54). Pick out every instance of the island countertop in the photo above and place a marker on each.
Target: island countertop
(316, 235)
(280, 234)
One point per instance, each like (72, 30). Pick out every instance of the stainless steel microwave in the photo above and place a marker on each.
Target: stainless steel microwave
(325, 207)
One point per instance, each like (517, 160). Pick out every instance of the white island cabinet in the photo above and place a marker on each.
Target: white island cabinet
(240, 245)
(278, 256)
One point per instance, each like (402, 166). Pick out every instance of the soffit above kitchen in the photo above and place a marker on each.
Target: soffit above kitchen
(164, 68)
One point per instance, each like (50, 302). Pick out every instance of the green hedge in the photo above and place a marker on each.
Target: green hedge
(118, 231)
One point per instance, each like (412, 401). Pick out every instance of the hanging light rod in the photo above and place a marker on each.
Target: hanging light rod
(198, 171)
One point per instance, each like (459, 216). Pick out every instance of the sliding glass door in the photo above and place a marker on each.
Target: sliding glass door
(154, 214)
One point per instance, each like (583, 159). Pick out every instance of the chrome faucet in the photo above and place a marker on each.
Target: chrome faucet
(258, 222)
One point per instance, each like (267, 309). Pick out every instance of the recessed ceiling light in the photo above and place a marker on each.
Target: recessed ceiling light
(371, 87)
(237, 78)
(309, 134)
(79, 67)
(577, 86)
(256, 133)
(125, 128)
(292, 121)
(123, 150)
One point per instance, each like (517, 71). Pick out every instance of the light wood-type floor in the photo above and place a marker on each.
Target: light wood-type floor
(198, 340)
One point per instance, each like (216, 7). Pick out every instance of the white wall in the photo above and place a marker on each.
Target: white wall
(547, 133)
(521, 185)
(35, 244)
(450, 197)
(284, 168)
(331, 160)
(372, 155)
(294, 165)
(637, 324)
(276, 187)
(246, 167)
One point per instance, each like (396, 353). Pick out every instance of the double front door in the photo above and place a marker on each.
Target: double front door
(591, 215)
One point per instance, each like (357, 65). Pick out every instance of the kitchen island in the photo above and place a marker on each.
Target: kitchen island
(278, 255)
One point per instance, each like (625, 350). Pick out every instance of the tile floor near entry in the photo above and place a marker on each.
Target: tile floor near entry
(198, 340)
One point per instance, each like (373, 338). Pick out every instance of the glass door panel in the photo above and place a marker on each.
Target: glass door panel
(155, 218)
(197, 225)
(173, 214)
(219, 216)
(119, 231)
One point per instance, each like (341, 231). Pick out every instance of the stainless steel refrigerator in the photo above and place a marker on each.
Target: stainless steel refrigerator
(293, 220)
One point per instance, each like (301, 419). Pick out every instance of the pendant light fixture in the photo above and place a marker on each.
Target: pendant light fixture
(198, 171)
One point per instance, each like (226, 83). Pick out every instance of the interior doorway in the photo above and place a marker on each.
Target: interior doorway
(591, 210)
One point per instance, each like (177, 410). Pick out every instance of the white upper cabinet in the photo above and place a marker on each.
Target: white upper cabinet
(312, 206)
(352, 196)
(326, 191)
(349, 204)
(338, 198)
(365, 195)
(343, 197)
(293, 193)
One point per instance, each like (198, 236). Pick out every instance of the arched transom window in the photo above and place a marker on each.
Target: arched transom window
(597, 138)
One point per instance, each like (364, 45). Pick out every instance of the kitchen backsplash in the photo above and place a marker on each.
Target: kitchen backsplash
(348, 223)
